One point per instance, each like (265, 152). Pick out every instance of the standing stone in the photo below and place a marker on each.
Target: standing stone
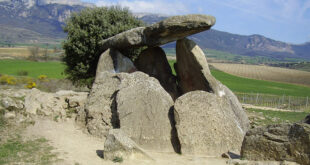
(194, 74)
(153, 61)
(168, 30)
(99, 105)
(278, 142)
(192, 68)
(113, 61)
(205, 124)
(143, 108)
(134, 102)
(119, 145)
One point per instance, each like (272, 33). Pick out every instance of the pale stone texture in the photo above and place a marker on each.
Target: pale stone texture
(52, 104)
(12, 104)
(126, 101)
(153, 61)
(278, 142)
(118, 144)
(192, 68)
(194, 74)
(205, 125)
(143, 108)
(168, 30)
(113, 61)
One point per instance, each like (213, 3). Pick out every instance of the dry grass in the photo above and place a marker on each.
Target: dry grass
(19, 52)
(265, 73)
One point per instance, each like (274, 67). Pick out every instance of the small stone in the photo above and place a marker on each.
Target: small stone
(119, 145)
(9, 115)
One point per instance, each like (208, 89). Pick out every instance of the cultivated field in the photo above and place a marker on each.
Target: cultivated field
(20, 52)
(265, 73)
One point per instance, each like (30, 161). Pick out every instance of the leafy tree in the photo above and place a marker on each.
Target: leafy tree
(85, 30)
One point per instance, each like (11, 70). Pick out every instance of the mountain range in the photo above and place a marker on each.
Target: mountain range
(41, 21)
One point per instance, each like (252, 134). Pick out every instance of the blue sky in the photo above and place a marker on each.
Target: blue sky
(283, 20)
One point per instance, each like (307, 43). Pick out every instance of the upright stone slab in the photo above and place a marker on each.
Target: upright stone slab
(168, 30)
(113, 61)
(194, 74)
(99, 113)
(143, 108)
(205, 125)
(192, 68)
(153, 61)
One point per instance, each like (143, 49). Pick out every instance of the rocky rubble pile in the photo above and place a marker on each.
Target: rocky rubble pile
(27, 103)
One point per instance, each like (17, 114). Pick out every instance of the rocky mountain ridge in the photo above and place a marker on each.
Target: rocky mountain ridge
(41, 21)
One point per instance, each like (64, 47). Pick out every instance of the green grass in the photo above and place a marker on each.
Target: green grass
(246, 85)
(16, 151)
(34, 69)
(290, 117)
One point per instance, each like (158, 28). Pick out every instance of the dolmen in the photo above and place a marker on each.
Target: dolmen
(191, 113)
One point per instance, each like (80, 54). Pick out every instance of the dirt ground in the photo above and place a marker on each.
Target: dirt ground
(76, 147)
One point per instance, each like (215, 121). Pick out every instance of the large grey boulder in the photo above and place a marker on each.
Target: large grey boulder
(194, 74)
(134, 102)
(206, 125)
(168, 30)
(279, 142)
(113, 61)
(153, 61)
(143, 108)
(119, 145)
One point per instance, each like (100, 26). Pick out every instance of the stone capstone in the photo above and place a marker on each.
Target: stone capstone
(278, 142)
(168, 30)
(113, 61)
(153, 61)
(205, 124)
(119, 145)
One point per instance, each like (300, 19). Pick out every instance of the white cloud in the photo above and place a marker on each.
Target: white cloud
(154, 6)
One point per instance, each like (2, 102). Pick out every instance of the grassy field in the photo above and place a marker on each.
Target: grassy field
(34, 69)
(266, 73)
(276, 117)
(246, 85)
(237, 84)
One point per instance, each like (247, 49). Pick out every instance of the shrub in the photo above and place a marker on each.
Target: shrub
(22, 73)
(85, 30)
(10, 80)
(31, 85)
(42, 78)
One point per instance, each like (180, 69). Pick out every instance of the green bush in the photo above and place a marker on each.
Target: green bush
(85, 30)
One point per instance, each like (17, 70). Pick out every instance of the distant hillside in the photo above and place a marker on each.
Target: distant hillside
(40, 21)
(253, 45)
(33, 21)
